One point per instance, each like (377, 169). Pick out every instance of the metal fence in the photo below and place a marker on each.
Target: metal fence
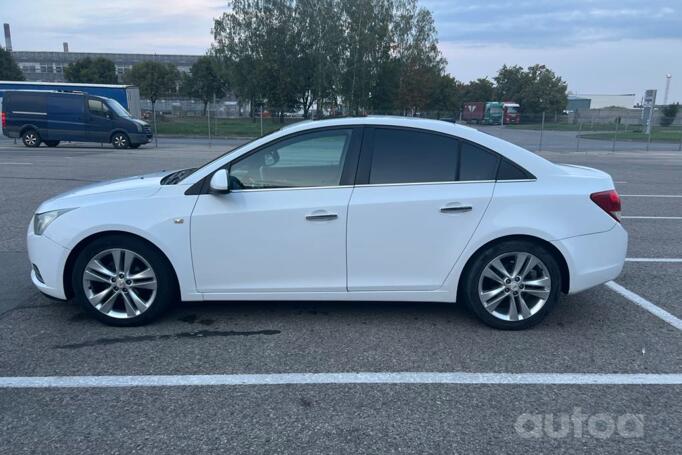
(595, 129)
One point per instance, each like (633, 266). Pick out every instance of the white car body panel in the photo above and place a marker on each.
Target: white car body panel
(260, 240)
(398, 238)
(390, 242)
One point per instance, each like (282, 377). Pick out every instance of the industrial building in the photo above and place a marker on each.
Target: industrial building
(49, 66)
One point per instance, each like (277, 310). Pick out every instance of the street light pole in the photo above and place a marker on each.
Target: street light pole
(667, 88)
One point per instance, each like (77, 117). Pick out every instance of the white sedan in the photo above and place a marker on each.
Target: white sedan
(369, 209)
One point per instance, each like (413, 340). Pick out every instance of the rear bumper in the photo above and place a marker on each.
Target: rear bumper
(594, 259)
(49, 258)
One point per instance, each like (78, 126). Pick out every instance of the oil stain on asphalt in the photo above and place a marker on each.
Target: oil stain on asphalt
(171, 336)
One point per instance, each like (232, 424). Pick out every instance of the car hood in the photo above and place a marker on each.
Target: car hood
(137, 186)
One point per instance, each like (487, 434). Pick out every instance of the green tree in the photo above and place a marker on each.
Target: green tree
(154, 79)
(447, 96)
(320, 46)
(206, 81)
(9, 70)
(91, 71)
(416, 48)
(537, 89)
(669, 113)
(482, 89)
(367, 46)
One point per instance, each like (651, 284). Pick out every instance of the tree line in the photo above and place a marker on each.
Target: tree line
(327, 57)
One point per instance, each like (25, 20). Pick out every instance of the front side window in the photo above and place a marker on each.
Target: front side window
(98, 108)
(410, 156)
(308, 160)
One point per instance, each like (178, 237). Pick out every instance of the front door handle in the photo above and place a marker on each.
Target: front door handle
(321, 215)
(456, 208)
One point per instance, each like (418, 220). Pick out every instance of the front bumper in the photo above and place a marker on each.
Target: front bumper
(49, 258)
(594, 259)
(140, 138)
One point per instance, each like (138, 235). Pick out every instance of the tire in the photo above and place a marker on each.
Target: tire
(31, 138)
(535, 292)
(120, 140)
(115, 300)
(52, 143)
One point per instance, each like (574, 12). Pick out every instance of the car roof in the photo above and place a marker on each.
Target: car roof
(531, 161)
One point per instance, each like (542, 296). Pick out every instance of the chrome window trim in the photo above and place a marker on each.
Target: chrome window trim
(462, 182)
(29, 112)
(251, 190)
(517, 180)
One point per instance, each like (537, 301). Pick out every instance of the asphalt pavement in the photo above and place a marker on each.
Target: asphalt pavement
(598, 332)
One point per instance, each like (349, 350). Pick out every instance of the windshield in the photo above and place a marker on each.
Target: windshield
(116, 107)
(511, 110)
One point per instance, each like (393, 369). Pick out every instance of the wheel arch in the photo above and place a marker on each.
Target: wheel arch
(28, 126)
(553, 250)
(75, 251)
(118, 130)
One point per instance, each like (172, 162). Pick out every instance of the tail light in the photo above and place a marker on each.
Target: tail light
(608, 201)
(4, 120)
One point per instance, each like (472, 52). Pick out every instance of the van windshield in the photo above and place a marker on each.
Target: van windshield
(116, 107)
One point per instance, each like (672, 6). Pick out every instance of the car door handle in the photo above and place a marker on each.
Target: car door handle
(321, 215)
(456, 208)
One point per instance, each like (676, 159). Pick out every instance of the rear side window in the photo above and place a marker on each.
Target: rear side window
(404, 156)
(510, 171)
(477, 163)
(27, 102)
(65, 104)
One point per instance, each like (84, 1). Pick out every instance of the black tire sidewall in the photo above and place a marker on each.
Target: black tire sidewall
(472, 275)
(166, 292)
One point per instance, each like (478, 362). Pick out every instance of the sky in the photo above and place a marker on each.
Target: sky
(596, 46)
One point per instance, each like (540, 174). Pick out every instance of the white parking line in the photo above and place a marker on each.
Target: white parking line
(651, 195)
(652, 217)
(340, 378)
(16, 164)
(673, 260)
(644, 303)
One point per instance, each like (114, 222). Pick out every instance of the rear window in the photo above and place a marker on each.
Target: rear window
(403, 156)
(26, 101)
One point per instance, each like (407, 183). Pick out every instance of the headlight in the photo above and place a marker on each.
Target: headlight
(42, 220)
(140, 128)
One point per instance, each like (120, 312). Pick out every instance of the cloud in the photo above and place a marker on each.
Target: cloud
(539, 23)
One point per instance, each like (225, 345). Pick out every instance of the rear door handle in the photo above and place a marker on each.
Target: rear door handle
(455, 208)
(321, 215)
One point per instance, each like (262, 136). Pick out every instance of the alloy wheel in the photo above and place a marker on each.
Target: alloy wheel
(514, 286)
(119, 283)
(30, 139)
(120, 141)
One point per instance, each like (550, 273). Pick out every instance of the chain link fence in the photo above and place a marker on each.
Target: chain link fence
(611, 129)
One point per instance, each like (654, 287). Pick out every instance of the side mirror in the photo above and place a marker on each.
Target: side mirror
(220, 182)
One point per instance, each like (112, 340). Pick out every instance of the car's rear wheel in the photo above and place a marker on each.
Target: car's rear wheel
(123, 281)
(31, 138)
(52, 143)
(512, 285)
(120, 141)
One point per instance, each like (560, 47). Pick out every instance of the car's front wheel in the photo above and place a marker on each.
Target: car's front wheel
(123, 281)
(120, 141)
(512, 285)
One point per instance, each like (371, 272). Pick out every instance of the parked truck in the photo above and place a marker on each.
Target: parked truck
(488, 113)
(511, 113)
